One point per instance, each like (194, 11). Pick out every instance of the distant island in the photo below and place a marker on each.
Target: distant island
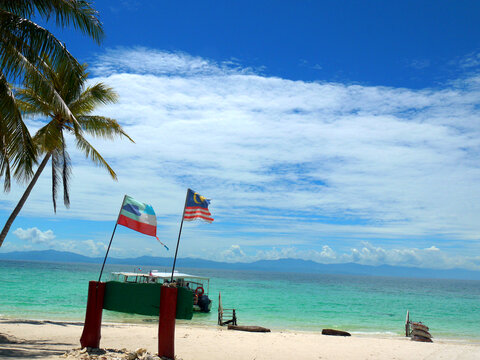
(281, 265)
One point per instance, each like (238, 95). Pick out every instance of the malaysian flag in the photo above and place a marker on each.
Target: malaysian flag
(196, 207)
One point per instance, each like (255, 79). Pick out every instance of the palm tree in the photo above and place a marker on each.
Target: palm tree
(34, 99)
(22, 46)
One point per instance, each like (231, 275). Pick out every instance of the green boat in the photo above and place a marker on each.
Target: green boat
(199, 286)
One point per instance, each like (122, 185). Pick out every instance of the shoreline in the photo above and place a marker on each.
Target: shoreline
(185, 323)
(51, 339)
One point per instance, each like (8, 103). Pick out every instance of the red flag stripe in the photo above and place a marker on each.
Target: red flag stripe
(146, 229)
(195, 214)
(198, 212)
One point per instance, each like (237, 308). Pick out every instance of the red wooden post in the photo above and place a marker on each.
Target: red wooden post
(166, 324)
(93, 318)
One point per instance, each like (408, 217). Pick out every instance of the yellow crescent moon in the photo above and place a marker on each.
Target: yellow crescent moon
(195, 198)
(202, 198)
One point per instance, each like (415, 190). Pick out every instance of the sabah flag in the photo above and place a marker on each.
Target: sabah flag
(196, 207)
(138, 216)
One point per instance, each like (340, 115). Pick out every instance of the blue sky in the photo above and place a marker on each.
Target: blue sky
(334, 131)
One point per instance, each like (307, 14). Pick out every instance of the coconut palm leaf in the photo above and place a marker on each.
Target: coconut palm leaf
(61, 171)
(66, 173)
(55, 177)
(92, 97)
(94, 155)
(17, 147)
(24, 41)
(23, 45)
(39, 80)
(78, 13)
(102, 127)
(49, 139)
(4, 163)
(32, 104)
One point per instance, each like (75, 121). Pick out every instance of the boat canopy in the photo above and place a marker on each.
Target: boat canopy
(162, 275)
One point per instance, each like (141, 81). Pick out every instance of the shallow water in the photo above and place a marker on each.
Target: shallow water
(359, 304)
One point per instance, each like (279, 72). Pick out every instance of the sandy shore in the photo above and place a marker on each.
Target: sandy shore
(48, 340)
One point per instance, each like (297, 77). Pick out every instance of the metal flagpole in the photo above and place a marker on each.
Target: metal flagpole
(179, 233)
(115, 228)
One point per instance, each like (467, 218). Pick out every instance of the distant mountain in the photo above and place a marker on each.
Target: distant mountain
(281, 265)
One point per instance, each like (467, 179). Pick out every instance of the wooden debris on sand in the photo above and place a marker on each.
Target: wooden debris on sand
(421, 339)
(248, 328)
(420, 332)
(335, 332)
(419, 326)
(417, 330)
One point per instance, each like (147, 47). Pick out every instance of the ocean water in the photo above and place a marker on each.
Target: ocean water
(308, 302)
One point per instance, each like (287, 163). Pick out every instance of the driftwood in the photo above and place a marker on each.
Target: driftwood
(422, 333)
(417, 331)
(335, 332)
(248, 328)
(421, 338)
(419, 325)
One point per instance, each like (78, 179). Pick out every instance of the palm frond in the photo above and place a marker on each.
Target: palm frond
(32, 42)
(79, 13)
(94, 155)
(61, 77)
(24, 8)
(102, 127)
(55, 177)
(49, 137)
(4, 162)
(91, 97)
(18, 148)
(38, 82)
(66, 173)
(30, 102)
(61, 171)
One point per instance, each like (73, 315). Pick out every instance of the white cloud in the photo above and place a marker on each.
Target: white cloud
(233, 254)
(431, 257)
(35, 235)
(94, 248)
(282, 160)
(326, 256)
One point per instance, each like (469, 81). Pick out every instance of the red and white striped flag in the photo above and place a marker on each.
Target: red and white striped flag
(196, 207)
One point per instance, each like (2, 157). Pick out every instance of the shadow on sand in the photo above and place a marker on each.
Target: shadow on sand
(14, 348)
(40, 322)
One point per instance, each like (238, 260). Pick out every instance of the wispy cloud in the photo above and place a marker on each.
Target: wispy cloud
(161, 63)
(470, 61)
(419, 64)
(282, 159)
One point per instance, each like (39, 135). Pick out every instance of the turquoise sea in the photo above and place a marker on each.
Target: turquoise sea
(308, 302)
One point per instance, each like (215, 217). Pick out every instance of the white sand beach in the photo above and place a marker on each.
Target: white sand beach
(49, 340)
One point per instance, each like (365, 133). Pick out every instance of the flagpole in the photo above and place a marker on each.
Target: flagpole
(179, 234)
(115, 228)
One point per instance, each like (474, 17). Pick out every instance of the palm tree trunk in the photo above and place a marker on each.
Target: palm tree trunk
(23, 199)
